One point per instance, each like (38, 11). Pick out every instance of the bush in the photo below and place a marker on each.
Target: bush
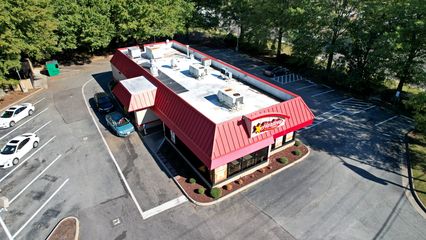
(192, 180)
(216, 193)
(201, 190)
(262, 170)
(297, 152)
(297, 143)
(228, 187)
(283, 160)
(240, 181)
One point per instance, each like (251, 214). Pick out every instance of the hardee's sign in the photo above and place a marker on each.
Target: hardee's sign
(260, 124)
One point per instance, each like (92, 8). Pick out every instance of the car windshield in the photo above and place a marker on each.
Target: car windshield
(7, 114)
(123, 121)
(8, 149)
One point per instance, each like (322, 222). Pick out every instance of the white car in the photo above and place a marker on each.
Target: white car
(15, 113)
(16, 148)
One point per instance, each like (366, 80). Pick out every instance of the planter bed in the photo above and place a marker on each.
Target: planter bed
(274, 165)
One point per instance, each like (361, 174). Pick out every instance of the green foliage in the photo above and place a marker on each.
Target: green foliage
(296, 152)
(84, 24)
(144, 19)
(201, 190)
(192, 180)
(26, 30)
(297, 143)
(283, 160)
(216, 193)
(418, 104)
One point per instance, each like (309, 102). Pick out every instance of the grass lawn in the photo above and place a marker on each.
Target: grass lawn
(392, 84)
(417, 148)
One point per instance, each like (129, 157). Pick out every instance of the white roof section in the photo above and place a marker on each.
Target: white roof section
(202, 92)
(138, 84)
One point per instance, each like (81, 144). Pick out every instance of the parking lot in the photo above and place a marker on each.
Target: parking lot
(348, 188)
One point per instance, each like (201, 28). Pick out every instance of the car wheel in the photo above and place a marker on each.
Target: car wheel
(35, 144)
(12, 123)
(15, 161)
(30, 112)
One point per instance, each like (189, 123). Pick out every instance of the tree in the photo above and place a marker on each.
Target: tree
(140, 20)
(84, 24)
(26, 30)
(409, 42)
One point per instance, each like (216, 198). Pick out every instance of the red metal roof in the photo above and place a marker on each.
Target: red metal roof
(133, 101)
(215, 144)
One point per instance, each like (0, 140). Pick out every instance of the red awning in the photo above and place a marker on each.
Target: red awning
(135, 93)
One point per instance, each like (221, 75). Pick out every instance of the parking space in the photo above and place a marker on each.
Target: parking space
(32, 184)
(154, 190)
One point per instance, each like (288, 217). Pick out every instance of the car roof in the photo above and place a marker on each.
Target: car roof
(18, 139)
(116, 116)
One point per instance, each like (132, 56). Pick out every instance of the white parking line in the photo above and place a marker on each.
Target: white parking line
(325, 119)
(126, 184)
(326, 86)
(42, 126)
(34, 179)
(39, 101)
(306, 87)
(39, 209)
(165, 206)
(16, 128)
(20, 164)
(321, 93)
(387, 120)
(6, 230)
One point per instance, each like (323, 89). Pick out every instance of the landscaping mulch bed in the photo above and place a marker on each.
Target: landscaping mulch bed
(65, 230)
(274, 165)
(13, 96)
(417, 155)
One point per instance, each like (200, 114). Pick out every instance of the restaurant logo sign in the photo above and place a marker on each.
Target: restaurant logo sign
(261, 124)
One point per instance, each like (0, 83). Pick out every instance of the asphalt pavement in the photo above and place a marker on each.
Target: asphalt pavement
(348, 188)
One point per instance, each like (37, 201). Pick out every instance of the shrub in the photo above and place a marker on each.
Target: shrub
(269, 167)
(297, 143)
(201, 190)
(262, 170)
(283, 160)
(192, 180)
(228, 187)
(216, 193)
(297, 152)
(240, 181)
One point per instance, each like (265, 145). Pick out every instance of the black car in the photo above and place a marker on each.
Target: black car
(273, 71)
(103, 102)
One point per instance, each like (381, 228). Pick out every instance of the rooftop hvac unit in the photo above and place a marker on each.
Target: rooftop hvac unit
(153, 52)
(225, 74)
(134, 52)
(197, 70)
(207, 62)
(230, 98)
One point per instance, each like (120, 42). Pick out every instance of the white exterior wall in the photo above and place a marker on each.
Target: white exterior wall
(118, 76)
(145, 116)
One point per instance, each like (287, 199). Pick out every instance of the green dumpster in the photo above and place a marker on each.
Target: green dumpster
(52, 68)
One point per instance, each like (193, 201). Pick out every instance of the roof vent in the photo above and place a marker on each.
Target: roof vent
(197, 70)
(230, 98)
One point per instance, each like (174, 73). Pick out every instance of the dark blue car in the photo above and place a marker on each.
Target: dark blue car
(119, 124)
(103, 102)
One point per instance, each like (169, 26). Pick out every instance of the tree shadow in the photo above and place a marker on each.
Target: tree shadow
(105, 80)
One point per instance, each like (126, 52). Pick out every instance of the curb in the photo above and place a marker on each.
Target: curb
(248, 185)
(413, 198)
(77, 227)
(22, 99)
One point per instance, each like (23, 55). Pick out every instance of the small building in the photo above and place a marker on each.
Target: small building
(224, 121)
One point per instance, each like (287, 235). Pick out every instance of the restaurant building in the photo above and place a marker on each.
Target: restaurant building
(224, 121)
